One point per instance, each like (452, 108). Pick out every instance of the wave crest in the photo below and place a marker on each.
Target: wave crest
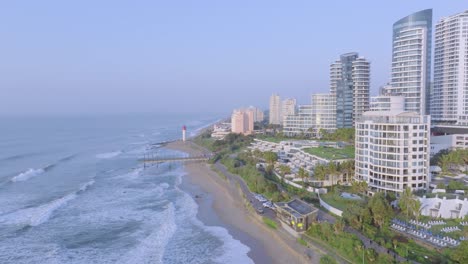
(27, 175)
(108, 155)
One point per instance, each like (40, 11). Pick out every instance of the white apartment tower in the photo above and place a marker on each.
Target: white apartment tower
(392, 150)
(324, 111)
(450, 92)
(411, 60)
(275, 110)
(288, 107)
(361, 82)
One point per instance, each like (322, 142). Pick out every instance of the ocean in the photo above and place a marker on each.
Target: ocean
(72, 191)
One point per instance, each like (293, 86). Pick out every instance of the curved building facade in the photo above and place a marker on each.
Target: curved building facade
(392, 151)
(411, 60)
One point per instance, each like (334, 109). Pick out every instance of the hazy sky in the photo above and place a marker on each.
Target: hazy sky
(180, 56)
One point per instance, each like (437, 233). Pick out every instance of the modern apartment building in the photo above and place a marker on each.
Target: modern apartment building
(275, 110)
(361, 83)
(288, 107)
(450, 92)
(392, 151)
(387, 103)
(324, 111)
(242, 122)
(300, 123)
(411, 60)
(321, 114)
(349, 83)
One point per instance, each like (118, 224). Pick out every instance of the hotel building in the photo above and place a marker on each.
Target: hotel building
(392, 150)
(411, 60)
(450, 92)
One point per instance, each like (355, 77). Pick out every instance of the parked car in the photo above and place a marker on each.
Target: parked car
(260, 210)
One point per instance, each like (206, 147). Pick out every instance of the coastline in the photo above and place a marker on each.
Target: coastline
(221, 204)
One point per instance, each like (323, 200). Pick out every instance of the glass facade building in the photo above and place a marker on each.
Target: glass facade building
(349, 83)
(411, 60)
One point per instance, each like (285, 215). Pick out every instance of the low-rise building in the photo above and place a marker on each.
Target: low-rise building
(220, 130)
(296, 214)
(444, 207)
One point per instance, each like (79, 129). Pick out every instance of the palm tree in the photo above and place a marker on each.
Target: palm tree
(319, 172)
(303, 174)
(407, 202)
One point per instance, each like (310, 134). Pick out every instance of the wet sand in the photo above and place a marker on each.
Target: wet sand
(221, 204)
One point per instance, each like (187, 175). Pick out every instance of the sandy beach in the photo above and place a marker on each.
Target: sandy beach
(221, 204)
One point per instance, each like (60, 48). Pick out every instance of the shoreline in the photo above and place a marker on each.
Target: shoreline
(221, 204)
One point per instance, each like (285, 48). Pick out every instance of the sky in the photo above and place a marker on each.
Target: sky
(104, 57)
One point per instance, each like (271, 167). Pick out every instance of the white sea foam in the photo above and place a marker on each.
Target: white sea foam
(108, 155)
(35, 216)
(151, 248)
(233, 250)
(27, 175)
(133, 174)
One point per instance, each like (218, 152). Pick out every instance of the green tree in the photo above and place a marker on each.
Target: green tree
(303, 174)
(284, 169)
(459, 254)
(407, 203)
(380, 209)
(270, 157)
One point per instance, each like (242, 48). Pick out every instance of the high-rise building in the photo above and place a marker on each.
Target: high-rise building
(387, 103)
(450, 91)
(361, 83)
(258, 114)
(324, 111)
(411, 60)
(275, 110)
(349, 83)
(392, 150)
(300, 123)
(242, 122)
(288, 107)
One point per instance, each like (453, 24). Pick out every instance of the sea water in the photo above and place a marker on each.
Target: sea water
(72, 191)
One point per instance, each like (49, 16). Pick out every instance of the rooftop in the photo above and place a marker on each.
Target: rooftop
(301, 207)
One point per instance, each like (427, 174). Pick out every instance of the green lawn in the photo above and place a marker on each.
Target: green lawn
(332, 153)
(335, 200)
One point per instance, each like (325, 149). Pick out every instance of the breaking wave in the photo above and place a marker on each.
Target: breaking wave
(29, 173)
(26, 175)
(35, 216)
(108, 155)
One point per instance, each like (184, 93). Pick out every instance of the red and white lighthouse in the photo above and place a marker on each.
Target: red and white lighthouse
(184, 129)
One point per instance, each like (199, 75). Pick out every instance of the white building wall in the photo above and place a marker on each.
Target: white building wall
(392, 150)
